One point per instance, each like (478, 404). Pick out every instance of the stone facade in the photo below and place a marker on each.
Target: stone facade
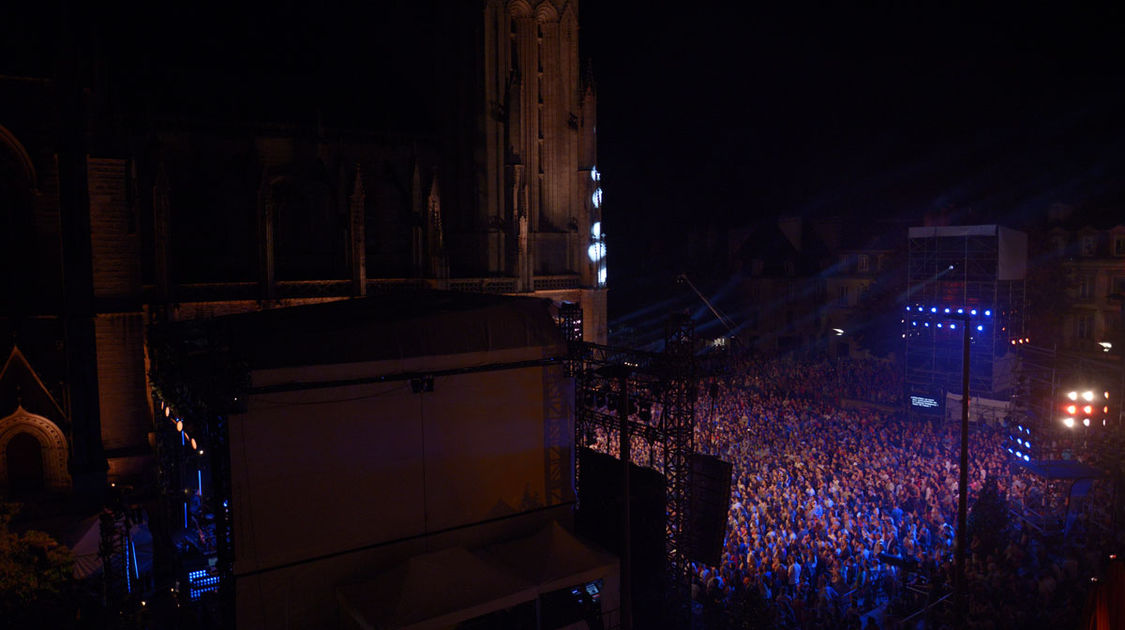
(185, 218)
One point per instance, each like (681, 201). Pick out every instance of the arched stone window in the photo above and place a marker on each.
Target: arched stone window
(15, 431)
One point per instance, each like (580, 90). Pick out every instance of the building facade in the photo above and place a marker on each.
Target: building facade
(116, 216)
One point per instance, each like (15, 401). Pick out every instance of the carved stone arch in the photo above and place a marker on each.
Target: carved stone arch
(20, 153)
(51, 440)
(546, 12)
(519, 8)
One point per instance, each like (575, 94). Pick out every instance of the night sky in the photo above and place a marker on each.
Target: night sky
(720, 117)
(710, 116)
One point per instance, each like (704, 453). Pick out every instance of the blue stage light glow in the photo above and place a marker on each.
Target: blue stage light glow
(980, 328)
(927, 324)
(933, 309)
(947, 309)
(960, 311)
(973, 312)
(914, 323)
(939, 325)
(953, 326)
(1027, 458)
(907, 309)
(919, 309)
(988, 313)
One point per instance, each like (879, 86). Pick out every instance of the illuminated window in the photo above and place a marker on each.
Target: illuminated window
(864, 264)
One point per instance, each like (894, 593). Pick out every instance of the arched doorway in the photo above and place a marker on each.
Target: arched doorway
(25, 464)
(33, 454)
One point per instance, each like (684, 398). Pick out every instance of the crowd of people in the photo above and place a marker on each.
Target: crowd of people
(838, 510)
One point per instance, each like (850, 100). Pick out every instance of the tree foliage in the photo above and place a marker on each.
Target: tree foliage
(36, 577)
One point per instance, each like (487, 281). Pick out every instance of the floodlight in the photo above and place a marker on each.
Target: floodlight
(179, 425)
(1072, 409)
(1069, 422)
(1089, 409)
(1085, 422)
(1072, 395)
(1087, 395)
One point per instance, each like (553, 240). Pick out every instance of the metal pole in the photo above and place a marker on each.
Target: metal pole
(963, 486)
(627, 538)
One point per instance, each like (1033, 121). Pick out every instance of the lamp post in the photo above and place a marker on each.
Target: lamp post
(963, 482)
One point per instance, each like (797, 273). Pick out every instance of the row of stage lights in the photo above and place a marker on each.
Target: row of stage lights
(179, 423)
(952, 326)
(947, 310)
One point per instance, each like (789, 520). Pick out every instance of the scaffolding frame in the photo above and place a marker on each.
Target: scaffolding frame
(960, 271)
(662, 392)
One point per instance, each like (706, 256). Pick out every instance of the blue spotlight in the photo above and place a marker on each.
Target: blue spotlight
(933, 309)
(953, 326)
(947, 309)
(980, 328)
(913, 323)
(939, 325)
(960, 311)
(988, 313)
(973, 312)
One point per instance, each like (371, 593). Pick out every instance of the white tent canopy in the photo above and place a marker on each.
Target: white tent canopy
(443, 588)
(433, 590)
